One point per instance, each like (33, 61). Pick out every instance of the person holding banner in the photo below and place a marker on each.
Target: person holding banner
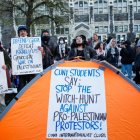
(7, 67)
(26, 78)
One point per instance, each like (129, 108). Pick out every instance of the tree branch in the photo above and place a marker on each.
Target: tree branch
(39, 4)
(41, 17)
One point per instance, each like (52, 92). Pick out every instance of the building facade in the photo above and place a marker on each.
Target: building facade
(104, 17)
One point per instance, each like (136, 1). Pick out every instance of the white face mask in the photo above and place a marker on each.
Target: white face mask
(61, 41)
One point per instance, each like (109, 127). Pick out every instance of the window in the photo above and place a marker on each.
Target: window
(100, 6)
(119, 0)
(105, 10)
(106, 29)
(100, 10)
(101, 29)
(139, 28)
(124, 9)
(96, 10)
(125, 28)
(118, 37)
(120, 10)
(81, 7)
(66, 30)
(116, 28)
(100, 1)
(138, 8)
(96, 29)
(123, 38)
(85, 4)
(135, 9)
(76, 5)
(38, 31)
(62, 30)
(135, 28)
(80, 3)
(57, 30)
(120, 28)
(115, 9)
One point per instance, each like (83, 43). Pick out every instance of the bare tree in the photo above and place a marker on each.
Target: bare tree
(29, 9)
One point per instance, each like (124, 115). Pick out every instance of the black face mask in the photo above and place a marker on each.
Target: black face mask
(45, 38)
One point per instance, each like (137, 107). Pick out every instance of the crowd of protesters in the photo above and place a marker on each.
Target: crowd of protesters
(80, 48)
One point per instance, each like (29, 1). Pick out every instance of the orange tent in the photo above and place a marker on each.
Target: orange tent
(26, 117)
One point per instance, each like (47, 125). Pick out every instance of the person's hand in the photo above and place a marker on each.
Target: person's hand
(123, 46)
(4, 67)
(42, 50)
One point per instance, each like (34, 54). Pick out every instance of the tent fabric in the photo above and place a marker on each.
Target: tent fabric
(26, 116)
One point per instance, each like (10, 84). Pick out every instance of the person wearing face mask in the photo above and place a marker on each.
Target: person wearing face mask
(81, 50)
(48, 58)
(61, 50)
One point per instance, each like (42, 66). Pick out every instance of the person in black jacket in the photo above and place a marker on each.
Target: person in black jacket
(127, 58)
(81, 49)
(112, 52)
(137, 62)
(48, 58)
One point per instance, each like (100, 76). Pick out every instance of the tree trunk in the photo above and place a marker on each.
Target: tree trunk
(52, 22)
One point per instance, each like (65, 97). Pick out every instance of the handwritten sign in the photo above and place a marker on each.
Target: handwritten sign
(77, 104)
(3, 79)
(26, 58)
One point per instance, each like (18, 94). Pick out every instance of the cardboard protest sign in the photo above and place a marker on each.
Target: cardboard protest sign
(3, 78)
(26, 57)
(79, 105)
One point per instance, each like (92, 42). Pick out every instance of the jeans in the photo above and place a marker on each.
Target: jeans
(127, 68)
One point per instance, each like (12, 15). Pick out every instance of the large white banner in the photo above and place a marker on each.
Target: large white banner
(26, 57)
(3, 78)
(77, 104)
